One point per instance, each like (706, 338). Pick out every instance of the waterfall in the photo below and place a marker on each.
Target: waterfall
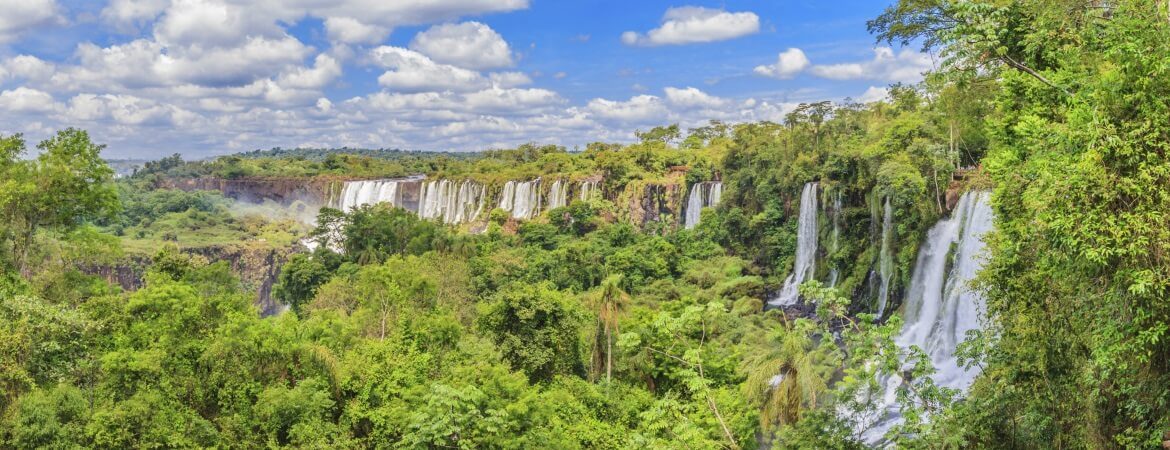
(558, 195)
(588, 188)
(940, 307)
(886, 258)
(368, 192)
(694, 204)
(806, 248)
(453, 204)
(703, 195)
(507, 196)
(438, 199)
(522, 198)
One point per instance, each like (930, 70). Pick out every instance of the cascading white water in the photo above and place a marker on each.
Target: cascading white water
(454, 204)
(558, 195)
(694, 205)
(940, 306)
(703, 195)
(507, 196)
(368, 192)
(588, 188)
(522, 198)
(806, 248)
(438, 199)
(885, 258)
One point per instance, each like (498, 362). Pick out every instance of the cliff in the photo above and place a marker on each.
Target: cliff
(312, 191)
(258, 269)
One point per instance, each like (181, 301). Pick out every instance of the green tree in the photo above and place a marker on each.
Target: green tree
(537, 328)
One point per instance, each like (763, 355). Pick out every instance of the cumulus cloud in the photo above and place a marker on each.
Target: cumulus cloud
(691, 98)
(128, 14)
(694, 24)
(19, 16)
(509, 79)
(23, 99)
(211, 23)
(471, 45)
(351, 31)
(874, 94)
(906, 66)
(788, 64)
(411, 71)
(640, 109)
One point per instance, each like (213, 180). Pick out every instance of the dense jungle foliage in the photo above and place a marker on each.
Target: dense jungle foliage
(578, 329)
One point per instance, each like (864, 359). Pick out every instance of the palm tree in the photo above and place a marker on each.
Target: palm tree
(787, 375)
(610, 303)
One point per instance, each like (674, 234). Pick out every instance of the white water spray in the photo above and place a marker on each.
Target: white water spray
(940, 306)
(703, 195)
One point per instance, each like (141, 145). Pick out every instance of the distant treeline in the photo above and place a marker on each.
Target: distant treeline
(319, 154)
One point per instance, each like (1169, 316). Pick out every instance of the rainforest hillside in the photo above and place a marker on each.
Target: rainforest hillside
(976, 261)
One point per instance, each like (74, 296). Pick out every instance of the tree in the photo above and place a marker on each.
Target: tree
(610, 302)
(302, 275)
(537, 329)
(663, 134)
(33, 194)
(788, 375)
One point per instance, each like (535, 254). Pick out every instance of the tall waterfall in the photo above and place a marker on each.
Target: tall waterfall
(368, 192)
(885, 258)
(940, 307)
(521, 198)
(806, 248)
(454, 204)
(558, 194)
(703, 195)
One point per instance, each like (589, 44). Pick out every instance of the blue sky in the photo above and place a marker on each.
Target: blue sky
(208, 77)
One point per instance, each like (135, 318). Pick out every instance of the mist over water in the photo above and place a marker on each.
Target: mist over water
(940, 305)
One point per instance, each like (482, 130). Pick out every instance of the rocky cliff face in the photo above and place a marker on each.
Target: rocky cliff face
(648, 202)
(258, 269)
(315, 191)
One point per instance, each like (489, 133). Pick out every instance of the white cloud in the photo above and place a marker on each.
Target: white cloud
(233, 66)
(27, 67)
(411, 71)
(789, 63)
(694, 24)
(123, 110)
(693, 98)
(639, 109)
(18, 16)
(471, 45)
(325, 69)
(509, 79)
(128, 14)
(211, 23)
(351, 31)
(906, 66)
(874, 94)
(23, 99)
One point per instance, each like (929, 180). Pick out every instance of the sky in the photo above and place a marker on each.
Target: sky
(209, 77)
